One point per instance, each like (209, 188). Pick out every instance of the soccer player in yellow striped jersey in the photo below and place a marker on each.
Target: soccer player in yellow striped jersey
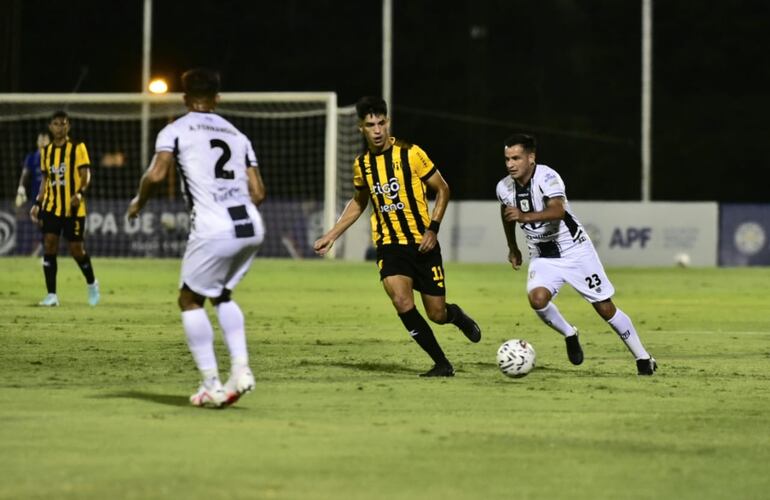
(394, 175)
(60, 206)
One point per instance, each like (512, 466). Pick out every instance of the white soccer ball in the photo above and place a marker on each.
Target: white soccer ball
(516, 358)
(682, 259)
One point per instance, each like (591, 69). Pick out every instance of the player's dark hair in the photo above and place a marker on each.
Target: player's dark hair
(370, 105)
(59, 114)
(526, 141)
(201, 82)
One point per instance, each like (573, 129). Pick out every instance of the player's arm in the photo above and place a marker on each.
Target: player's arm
(162, 162)
(514, 254)
(85, 180)
(554, 210)
(437, 184)
(257, 190)
(35, 210)
(21, 192)
(352, 212)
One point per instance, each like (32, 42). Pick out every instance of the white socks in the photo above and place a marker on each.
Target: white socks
(552, 317)
(200, 340)
(622, 325)
(232, 323)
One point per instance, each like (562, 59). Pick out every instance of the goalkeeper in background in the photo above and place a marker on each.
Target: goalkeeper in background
(32, 175)
(30, 171)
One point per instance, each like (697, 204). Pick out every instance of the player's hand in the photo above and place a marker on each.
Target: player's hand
(21, 196)
(323, 244)
(429, 239)
(33, 213)
(514, 257)
(512, 214)
(75, 201)
(133, 208)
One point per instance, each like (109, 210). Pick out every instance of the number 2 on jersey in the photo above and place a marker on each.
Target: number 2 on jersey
(219, 168)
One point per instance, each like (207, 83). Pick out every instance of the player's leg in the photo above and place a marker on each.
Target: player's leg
(442, 313)
(233, 325)
(51, 232)
(397, 268)
(232, 322)
(197, 263)
(544, 281)
(399, 289)
(429, 280)
(74, 228)
(624, 327)
(200, 341)
(587, 276)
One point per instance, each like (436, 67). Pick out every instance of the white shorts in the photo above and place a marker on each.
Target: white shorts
(581, 268)
(211, 265)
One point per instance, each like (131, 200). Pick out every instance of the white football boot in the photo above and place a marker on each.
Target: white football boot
(93, 293)
(240, 382)
(50, 300)
(212, 396)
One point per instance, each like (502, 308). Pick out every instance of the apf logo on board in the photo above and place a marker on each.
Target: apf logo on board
(630, 237)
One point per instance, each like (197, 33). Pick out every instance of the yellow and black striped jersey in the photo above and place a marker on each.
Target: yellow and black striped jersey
(396, 179)
(61, 176)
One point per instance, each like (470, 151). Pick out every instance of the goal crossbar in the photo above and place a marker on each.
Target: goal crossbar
(146, 100)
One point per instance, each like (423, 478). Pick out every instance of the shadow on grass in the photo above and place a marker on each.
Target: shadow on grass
(364, 366)
(164, 399)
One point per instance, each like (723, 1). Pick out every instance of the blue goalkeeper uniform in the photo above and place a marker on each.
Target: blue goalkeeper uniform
(32, 165)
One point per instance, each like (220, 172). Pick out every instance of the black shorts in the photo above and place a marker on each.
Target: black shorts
(425, 269)
(72, 228)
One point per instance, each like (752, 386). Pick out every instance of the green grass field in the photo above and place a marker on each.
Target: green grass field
(93, 401)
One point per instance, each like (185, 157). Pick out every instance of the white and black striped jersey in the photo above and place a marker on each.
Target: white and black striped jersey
(212, 157)
(544, 239)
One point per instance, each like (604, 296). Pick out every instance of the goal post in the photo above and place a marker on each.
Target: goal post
(304, 143)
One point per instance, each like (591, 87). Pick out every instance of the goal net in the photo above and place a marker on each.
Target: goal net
(304, 143)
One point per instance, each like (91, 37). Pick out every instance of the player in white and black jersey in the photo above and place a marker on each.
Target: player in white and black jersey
(560, 251)
(222, 184)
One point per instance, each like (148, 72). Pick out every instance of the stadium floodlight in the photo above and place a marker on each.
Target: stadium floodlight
(158, 86)
(304, 143)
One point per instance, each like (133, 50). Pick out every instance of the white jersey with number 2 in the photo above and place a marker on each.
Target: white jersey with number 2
(213, 157)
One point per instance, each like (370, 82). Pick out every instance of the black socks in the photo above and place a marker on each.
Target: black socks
(49, 269)
(422, 334)
(85, 267)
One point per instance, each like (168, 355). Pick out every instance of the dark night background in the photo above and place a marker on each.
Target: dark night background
(465, 74)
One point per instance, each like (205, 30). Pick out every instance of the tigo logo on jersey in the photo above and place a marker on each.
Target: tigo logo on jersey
(390, 189)
(58, 170)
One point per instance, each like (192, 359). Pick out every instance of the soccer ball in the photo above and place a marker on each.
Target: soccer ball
(516, 358)
(682, 260)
